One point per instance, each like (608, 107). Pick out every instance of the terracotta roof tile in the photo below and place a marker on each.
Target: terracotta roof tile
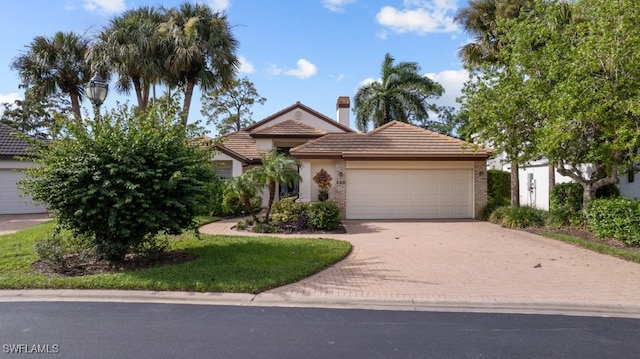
(290, 129)
(240, 145)
(393, 140)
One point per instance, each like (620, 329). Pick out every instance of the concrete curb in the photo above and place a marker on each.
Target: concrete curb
(335, 302)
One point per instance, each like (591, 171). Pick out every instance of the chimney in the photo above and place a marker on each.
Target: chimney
(342, 108)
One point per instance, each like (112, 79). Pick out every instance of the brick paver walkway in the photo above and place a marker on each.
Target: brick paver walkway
(464, 261)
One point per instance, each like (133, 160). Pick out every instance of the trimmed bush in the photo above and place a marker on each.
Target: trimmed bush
(324, 215)
(498, 191)
(290, 216)
(617, 218)
(518, 217)
(565, 205)
(608, 191)
(127, 176)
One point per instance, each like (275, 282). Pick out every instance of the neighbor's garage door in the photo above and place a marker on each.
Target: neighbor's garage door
(404, 194)
(10, 200)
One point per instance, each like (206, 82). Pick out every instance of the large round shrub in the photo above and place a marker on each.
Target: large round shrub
(128, 176)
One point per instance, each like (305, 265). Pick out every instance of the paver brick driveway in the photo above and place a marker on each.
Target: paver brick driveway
(465, 261)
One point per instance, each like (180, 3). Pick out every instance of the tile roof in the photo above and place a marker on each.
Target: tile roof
(395, 140)
(10, 144)
(289, 129)
(239, 145)
(301, 106)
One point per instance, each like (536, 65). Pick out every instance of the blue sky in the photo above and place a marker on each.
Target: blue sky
(310, 51)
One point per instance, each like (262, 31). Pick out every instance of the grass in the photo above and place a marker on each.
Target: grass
(621, 252)
(224, 264)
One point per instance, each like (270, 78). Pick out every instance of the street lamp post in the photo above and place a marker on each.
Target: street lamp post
(97, 92)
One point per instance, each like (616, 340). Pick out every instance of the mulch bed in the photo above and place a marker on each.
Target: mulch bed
(131, 262)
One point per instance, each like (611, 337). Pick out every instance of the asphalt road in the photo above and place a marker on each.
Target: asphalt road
(134, 330)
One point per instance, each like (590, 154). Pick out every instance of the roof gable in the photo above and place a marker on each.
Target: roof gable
(289, 129)
(394, 140)
(297, 112)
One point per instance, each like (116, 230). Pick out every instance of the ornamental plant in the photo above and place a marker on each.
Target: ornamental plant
(323, 180)
(124, 179)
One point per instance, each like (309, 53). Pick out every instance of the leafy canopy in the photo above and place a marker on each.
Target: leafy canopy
(230, 108)
(129, 176)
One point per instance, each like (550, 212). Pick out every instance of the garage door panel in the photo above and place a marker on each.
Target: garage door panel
(11, 199)
(409, 193)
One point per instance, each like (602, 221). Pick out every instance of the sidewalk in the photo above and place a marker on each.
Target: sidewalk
(11, 223)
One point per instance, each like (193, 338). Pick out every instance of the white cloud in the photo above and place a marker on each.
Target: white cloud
(8, 98)
(219, 5)
(340, 77)
(304, 69)
(336, 5)
(452, 81)
(245, 66)
(274, 70)
(420, 16)
(107, 6)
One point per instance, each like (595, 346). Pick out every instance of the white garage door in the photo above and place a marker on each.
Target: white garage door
(10, 200)
(405, 194)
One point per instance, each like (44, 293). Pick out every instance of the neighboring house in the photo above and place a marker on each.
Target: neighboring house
(11, 199)
(397, 171)
(534, 181)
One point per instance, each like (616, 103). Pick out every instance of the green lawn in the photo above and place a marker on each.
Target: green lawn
(630, 254)
(238, 264)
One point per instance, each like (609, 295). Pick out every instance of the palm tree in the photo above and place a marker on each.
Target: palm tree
(241, 189)
(130, 47)
(399, 95)
(480, 20)
(56, 64)
(200, 50)
(276, 168)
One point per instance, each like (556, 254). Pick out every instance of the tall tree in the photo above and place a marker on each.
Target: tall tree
(53, 64)
(481, 19)
(276, 168)
(37, 116)
(581, 59)
(200, 50)
(230, 108)
(130, 47)
(400, 95)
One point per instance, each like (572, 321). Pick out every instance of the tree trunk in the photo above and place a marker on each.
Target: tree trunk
(515, 185)
(247, 205)
(75, 106)
(188, 94)
(552, 182)
(272, 196)
(588, 194)
(138, 88)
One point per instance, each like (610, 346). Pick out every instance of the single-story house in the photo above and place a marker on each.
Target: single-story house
(397, 171)
(12, 200)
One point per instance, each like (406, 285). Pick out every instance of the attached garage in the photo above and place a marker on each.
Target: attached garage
(409, 194)
(399, 171)
(11, 199)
